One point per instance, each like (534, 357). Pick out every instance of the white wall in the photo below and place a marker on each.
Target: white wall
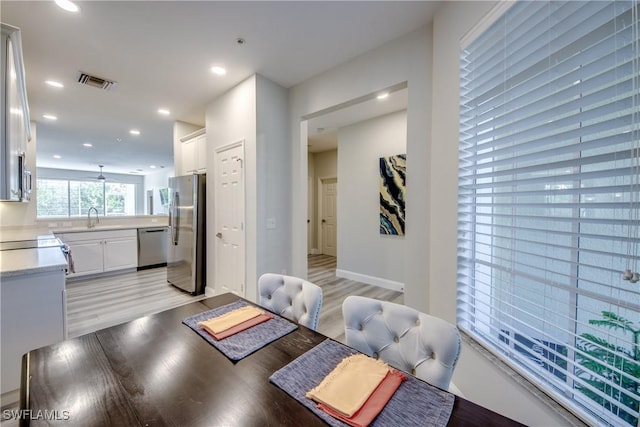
(155, 181)
(406, 59)
(479, 379)
(362, 250)
(430, 258)
(231, 118)
(273, 180)
(24, 215)
(326, 164)
(254, 111)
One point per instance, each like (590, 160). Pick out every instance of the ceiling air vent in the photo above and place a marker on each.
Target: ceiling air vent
(97, 82)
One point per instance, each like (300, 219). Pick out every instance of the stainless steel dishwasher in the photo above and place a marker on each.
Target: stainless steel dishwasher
(152, 247)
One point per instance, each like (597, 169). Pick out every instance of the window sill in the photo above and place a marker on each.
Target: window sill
(554, 406)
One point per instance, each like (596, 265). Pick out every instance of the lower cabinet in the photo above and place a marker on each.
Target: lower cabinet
(33, 314)
(96, 252)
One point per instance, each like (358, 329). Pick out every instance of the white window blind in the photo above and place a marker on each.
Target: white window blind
(549, 190)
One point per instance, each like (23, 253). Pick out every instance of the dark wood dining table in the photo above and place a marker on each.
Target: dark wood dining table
(155, 371)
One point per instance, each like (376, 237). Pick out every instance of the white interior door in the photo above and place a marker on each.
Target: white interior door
(310, 239)
(329, 220)
(229, 220)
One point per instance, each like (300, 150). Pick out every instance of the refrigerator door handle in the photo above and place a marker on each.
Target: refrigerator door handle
(176, 229)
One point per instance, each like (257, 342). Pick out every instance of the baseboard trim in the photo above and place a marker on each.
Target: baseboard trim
(371, 280)
(315, 251)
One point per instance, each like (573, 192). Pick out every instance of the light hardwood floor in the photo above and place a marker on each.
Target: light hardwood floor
(322, 272)
(102, 302)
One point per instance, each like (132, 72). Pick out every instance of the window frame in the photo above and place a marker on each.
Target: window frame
(103, 211)
(500, 352)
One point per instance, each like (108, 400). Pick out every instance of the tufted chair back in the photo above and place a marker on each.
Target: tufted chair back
(291, 297)
(415, 342)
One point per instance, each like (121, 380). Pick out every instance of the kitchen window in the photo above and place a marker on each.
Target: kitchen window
(72, 198)
(549, 200)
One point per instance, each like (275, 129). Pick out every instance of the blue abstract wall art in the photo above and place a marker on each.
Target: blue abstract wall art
(393, 171)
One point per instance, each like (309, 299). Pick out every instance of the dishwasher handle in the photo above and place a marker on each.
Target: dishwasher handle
(153, 230)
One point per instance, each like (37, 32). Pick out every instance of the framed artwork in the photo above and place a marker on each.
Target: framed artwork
(393, 171)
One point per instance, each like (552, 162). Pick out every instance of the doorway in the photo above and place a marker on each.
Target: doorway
(329, 216)
(327, 134)
(229, 218)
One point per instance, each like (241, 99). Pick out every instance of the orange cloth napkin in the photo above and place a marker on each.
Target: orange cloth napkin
(239, 327)
(217, 326)
(374, 404)
(349, 385)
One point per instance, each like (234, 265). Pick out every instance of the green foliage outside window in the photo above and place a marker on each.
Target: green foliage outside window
(607, 361)
(69, 198)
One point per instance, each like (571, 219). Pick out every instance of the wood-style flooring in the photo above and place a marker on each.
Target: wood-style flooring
(102, 302)
(322, 272)
(99, 303)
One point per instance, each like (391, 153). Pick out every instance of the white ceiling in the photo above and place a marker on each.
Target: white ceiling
(160, 54)
(323, 129)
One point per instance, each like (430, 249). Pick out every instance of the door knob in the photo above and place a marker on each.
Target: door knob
(219, 235)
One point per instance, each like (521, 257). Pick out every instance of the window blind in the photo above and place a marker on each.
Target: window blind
(549, 194)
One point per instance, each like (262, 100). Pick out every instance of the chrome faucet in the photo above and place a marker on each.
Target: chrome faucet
(91, 224)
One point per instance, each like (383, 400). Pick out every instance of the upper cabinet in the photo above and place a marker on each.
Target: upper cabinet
(193, 153)
(15, 176)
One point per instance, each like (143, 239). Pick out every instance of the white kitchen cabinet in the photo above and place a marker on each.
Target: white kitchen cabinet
(33, 315)
(96, 252)
(87, 256)
(120, 253)
(201, 153)
(188, 156)
(15, 177)
(193, 153)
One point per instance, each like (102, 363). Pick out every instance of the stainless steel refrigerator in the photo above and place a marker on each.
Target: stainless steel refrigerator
(186, 252)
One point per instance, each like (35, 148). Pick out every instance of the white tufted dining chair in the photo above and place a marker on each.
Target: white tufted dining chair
(423, 345)
(291, 297)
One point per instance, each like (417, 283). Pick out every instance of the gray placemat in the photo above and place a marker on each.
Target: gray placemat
(415, 403)
(246, 342)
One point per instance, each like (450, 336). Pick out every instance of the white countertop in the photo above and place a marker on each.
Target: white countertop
(28, 261)
(9, 235)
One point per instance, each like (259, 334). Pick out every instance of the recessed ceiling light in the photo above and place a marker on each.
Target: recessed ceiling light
(56, 156)
(383, 95)
(218, 70)
(152, 166)
(88, 144)
(54, 83)
(67, 5)
(164, 111)
(49, 117)
(134, 132)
